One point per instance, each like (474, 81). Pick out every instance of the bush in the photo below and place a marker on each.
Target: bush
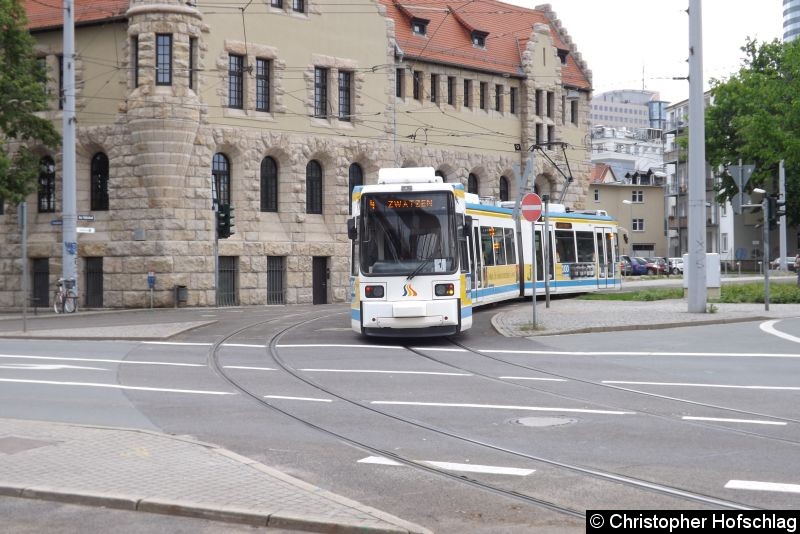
(754, 293)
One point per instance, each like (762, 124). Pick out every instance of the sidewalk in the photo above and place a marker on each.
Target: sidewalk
(140, 470)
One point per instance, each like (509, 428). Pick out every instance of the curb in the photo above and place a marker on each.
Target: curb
(285, 520)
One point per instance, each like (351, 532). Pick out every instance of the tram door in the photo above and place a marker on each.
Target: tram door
(605, 257)
(476, 261)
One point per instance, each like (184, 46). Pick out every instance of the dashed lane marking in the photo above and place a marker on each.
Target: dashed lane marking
(451, 466)
(503, 407)
(692, 385)
(724, 420)
(382, 372)
(116, 386)
(762, 486)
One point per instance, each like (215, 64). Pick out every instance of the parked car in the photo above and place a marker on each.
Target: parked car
(775, 264)
(676, 265)
(657, 266)
(638, 266)
(625, 265)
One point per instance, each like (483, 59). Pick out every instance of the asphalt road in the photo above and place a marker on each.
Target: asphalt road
(696, 409)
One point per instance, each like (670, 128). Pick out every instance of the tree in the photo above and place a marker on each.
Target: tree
(22, 94)
(755, 117)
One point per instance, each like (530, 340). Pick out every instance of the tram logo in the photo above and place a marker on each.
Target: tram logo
(409, 291)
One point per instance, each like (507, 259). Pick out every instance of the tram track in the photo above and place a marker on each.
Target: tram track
(607, 476)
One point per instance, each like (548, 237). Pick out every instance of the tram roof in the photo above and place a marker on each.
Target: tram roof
(559, 215)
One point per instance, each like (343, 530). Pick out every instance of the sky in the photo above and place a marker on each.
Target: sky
(621, 39)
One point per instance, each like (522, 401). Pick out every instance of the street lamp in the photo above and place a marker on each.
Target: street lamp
(630, 245)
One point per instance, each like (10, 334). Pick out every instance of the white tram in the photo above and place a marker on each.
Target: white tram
(425, 253)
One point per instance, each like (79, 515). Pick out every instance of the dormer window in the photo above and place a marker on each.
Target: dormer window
(479, 39)
(562, 55)
(419, 26)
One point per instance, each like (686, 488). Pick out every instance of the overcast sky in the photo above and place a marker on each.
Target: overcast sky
(619, 38)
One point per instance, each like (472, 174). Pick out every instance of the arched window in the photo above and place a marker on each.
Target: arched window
(313, 187)
(441, 175)
(269, 184)
(472, 184)
(99, 185)
(503, 188)
(221, 171)
(356, 179)
(47, 185)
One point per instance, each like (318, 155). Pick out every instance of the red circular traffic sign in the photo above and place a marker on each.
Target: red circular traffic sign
(531, 207)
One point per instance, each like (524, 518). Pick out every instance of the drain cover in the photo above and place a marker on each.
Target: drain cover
(544, 421)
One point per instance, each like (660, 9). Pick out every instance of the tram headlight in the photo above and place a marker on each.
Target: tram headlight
(444, 290)
(373, 292)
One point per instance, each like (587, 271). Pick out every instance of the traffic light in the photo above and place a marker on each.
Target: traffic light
(774, 210)
(225, 221)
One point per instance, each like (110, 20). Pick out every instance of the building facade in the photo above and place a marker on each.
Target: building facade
(791, 20)
(278, 110)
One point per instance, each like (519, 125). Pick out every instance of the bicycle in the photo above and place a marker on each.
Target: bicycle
(65, 300)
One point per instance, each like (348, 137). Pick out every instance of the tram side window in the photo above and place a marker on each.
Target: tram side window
(565, 246)
(510, 246)
(585, 246)
(487, 244)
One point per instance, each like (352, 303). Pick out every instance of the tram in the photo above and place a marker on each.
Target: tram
(426, 253)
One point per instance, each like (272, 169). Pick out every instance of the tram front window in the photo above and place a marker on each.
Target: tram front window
(408, 233)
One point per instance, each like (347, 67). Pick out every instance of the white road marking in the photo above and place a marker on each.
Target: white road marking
(687, 384)
(533, 378)
(249, 368)
(722, 420)
(244, 345)
(763, 486)
(296, 398)
(644, 353)
(97, 360)
(503, 407)
(382, 372)
(177, 343)
(117, 386)
(439, 349)
(450, 466)
(769, 328)
(47, 367)
(317, 346)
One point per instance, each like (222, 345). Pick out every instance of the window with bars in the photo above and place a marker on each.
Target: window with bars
(192, 62)
(269, 184)
(345, 95)
(451, 90)
(235, 81)
(99, 182)
(417, 85)
(434, 88)
(276, 277)
(320, 92)
(400, 81)
(498, 98)
(313, 187)
(47, 185)
(163, 59)
(512, 104)
(482, 94)
(221, 171)
(467, 93)
(262, 84)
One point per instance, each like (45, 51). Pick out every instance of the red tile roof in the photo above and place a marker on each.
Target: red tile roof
(599, 172)
(448, 38)
(43, 14)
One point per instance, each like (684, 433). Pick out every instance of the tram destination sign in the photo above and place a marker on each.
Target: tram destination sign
(531, 207)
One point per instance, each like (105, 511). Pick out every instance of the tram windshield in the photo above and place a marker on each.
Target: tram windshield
(408, 233)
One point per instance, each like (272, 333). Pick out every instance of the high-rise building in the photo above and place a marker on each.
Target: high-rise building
(791, 19)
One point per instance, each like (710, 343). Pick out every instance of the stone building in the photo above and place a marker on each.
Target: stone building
(280, 107)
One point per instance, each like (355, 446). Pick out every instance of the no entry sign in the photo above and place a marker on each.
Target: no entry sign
(531, 206)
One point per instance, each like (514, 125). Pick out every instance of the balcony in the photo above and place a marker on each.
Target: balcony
(677, 222)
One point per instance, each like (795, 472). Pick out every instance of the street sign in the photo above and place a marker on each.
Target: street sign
(85, 217)
(531, 207)
(56, 222)
(84, 230)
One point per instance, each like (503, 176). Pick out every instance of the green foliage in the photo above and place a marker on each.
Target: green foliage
(22, 94)
(754, 293)
(641, 295)
(755, 117)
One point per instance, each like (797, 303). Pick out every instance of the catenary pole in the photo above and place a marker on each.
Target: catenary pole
(782, 221)
(697, 164)
(69, 209)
